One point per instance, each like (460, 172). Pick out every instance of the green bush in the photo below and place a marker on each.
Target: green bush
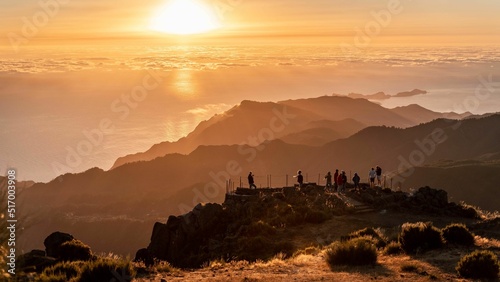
(393, 248)
(358, 251)
(479, 265)
(420, 236)
(105, 270)
(458, 234)
(62, 271)
(380, 241)
(74, 250)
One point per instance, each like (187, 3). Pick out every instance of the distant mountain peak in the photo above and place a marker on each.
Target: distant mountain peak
(414, 92)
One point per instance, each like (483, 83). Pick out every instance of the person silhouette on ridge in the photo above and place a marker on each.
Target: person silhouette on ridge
(341, 181)
(335, 184)
(356, 180)
(251, 182)
(379, 176)
(372, 174)
(328, 178)
(300, 178)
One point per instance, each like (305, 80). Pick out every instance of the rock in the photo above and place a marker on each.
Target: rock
(160, 240)
(289, 191)
(442, 198)
(54, 241)
(34, 261)
(143, 255)
(368, 198)
(181, 240)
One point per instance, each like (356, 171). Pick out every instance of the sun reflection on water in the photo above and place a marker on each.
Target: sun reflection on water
(183, 83)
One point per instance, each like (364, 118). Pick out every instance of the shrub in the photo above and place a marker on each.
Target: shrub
(259, 228)
(307, 251)
(393, 248)
(420, 236)
(260, 247)
(358, 251)
(105, 269)
(52, 278)
(469, 211)
(377, 236)
(479, 265)
(62, 271)
(458, 234)
(316, 217)
(74, 250)
(410, 267)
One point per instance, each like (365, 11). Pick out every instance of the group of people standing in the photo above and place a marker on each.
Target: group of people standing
(375, 173)
(339, 179)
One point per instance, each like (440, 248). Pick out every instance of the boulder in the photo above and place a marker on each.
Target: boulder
(143, 255)
(442, 198)
(182, 238)
(54, 241)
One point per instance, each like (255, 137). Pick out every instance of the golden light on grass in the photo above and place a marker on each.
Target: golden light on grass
(185, 17)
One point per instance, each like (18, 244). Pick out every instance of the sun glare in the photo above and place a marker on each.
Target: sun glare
(185, 17)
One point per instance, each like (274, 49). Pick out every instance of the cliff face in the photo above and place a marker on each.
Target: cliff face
(258, 224)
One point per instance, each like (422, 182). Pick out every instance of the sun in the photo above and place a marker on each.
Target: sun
(185, 17)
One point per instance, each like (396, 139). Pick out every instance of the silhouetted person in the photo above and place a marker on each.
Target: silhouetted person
(379, 175)
(372, 174)
(356, 180)
(335, 176)
(300, 178)
(344, 178)
(328, 178)
(341, 181)
(251, 182)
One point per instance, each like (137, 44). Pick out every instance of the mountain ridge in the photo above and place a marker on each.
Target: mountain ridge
(250, 118)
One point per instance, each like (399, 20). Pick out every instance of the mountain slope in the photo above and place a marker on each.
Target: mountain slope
(341, 107)
(249, 123)
(419, 114)
(254, 122)
(173, 184)
(321, 132)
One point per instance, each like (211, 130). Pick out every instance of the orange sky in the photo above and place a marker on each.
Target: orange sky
(412, 22)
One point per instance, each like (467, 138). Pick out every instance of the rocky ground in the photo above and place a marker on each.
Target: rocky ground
(282, 234)
(438, 265)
